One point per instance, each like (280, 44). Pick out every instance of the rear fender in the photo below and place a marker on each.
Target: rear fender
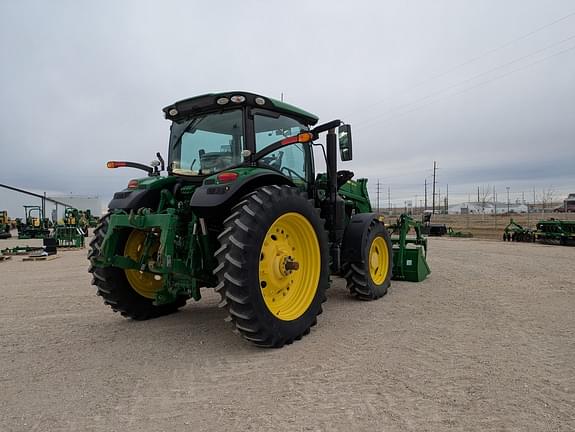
(210, 200)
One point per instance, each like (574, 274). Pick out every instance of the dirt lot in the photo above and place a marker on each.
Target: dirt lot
(486, 343)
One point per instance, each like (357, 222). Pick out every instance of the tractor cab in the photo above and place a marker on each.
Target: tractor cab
(216, 132)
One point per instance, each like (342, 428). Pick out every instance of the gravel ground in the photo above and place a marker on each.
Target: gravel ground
(485, 343)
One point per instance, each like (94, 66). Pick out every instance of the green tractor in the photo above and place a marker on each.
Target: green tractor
(35, 225)
(241, 210)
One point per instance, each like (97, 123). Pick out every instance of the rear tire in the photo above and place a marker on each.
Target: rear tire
(269, 304)
(114, 287)
(370, 278)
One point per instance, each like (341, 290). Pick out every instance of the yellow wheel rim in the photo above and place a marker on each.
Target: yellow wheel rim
(378, 260)
(290, 266)
(144, 283)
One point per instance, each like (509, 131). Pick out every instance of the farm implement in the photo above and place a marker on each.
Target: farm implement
(554, 231)
(72, 231)
(409, 252)
(515, 232)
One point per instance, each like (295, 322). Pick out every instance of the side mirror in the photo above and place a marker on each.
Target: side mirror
(345, 148)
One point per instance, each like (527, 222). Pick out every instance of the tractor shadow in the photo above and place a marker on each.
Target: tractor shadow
(199, 327)
(195, 327)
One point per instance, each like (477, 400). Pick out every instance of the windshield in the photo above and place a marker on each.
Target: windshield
(209, 144)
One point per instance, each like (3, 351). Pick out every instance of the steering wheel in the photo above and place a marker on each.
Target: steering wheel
(290, 171)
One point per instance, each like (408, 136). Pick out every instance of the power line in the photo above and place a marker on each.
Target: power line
(433, 193)
(528, 65)
(457, 84)
(473, 59)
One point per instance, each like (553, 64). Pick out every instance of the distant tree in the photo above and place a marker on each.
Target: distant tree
(485, 195)
(547, 197)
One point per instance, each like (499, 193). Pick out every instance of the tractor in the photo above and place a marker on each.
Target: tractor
(5, 225)
(242, 210)
(35, 225)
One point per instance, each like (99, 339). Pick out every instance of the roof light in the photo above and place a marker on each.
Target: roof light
(173, 112)
(238, 99)
(227, 177)
(133, 184)
(115, 164)
(260, 101)
(222, 101)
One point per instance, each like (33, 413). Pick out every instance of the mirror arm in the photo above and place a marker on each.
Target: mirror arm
(325, 127)
(161, 159)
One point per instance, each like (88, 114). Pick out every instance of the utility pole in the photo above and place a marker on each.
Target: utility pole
(447, 200)
(433, 193)
(495, 201)
(378, 196)
(478, 195)
(425, 186)
(507, 187)
(439, 199)
(389, 199)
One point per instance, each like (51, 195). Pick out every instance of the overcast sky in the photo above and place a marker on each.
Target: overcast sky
(485, 88)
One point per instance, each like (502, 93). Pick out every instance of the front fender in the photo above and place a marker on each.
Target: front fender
(355, 235)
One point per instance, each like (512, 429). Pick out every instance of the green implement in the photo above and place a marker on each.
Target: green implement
(72, 231)
(459, 234)
(554, 231)
(515, 232)
(409, 252)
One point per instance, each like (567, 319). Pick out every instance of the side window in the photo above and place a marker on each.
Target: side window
(290, 160)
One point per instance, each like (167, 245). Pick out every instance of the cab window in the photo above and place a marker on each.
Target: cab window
(291, 160)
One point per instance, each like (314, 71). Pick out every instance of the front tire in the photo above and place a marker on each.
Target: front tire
(128, 292)
(370, 277)
(273, 266)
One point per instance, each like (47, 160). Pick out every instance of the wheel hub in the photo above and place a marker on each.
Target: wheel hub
(289, 267)
(144, 283)
(378, 260)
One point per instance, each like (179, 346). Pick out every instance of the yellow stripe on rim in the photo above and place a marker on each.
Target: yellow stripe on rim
(144, 283)
(290, 266)
(378, 260)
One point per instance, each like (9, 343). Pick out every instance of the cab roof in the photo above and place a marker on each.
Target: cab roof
(215, 101)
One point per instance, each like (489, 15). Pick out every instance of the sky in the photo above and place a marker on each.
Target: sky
(485, 88)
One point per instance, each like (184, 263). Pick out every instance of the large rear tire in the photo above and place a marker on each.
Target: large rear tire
(128, 292)
(370, 277)
(273, 266)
